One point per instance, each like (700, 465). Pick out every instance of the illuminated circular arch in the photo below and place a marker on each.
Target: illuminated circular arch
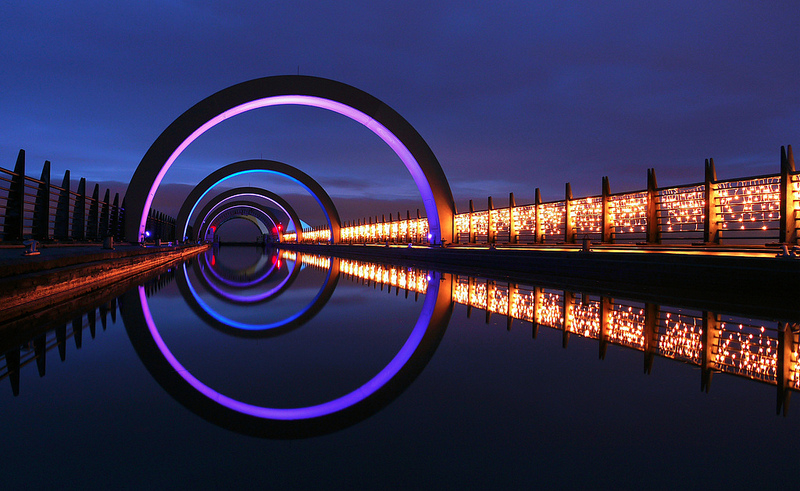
(299, 422)
(249, 192)
(256, 213)
(257, 166)
(327, 94)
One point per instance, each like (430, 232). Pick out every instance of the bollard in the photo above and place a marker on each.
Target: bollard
(587, 244)
(31, 248)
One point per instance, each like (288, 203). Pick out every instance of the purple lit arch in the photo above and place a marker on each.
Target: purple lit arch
(334, 96)
(245, 192)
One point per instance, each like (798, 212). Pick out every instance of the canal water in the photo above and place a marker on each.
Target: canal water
(245, 367)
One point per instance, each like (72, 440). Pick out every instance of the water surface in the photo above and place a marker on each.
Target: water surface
(277, 370)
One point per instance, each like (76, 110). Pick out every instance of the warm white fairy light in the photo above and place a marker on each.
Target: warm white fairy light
(747, 349)
(550, 310)
(626, 325)
(553, 219)
(462, 223)
(525, 219)
(586, 319)
(587, 214)
(680, 336)
(752, 204)
(628, 213)
(400, 277)
(682, 209)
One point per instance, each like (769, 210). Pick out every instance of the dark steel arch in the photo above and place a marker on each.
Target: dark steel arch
(258, 165)
(253, 212)
(298, 90)
(248, 191)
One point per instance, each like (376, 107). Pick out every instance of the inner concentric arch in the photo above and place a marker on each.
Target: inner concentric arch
(334, 96)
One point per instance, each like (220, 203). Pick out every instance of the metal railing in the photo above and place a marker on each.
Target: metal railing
(37, 209)
(748, 210)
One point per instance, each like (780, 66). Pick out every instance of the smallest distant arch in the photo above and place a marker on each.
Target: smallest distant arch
(243, 192)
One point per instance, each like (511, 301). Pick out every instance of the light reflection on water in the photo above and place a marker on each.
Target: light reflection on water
(488, 402)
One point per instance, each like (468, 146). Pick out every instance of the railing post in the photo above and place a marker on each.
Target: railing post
(536, 318)
(490, 288)
(408, 226)
(472, 233)
(607, 231)
(113, 220)
(783, 370)
(788, 232)
(605, 321)
(708, 338)
(537, 201)
(490, 226)
(512, 222)
(470, 294)
(15, 203)
(416, 230)
(41, 208)
(94, 214)
(123, 217)
(651, 312)
(399, 239)
(710, 224)
(569, 301)
(512, 296)
(61, 226)
(79, 212)
(653, 228)
(569, 226)
(104, 216)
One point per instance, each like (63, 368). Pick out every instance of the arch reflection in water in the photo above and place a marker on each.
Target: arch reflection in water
(296, 422)
(243, 329)
(241, 277)
(234, 327)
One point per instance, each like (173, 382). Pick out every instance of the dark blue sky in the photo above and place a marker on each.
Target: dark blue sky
(509, 97)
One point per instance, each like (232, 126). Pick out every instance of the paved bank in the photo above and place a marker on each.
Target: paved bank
(57, 274)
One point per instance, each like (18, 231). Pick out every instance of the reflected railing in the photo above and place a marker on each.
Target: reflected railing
(54, 331)
(764, 350)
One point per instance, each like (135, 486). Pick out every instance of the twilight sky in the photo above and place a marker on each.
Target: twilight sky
(510, 97)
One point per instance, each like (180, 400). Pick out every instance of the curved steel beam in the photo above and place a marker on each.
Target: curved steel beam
(253, 212)
(257, 166)
(247, 192)
(334, 96)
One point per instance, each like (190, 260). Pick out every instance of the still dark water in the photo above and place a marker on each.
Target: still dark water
(286, 371)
